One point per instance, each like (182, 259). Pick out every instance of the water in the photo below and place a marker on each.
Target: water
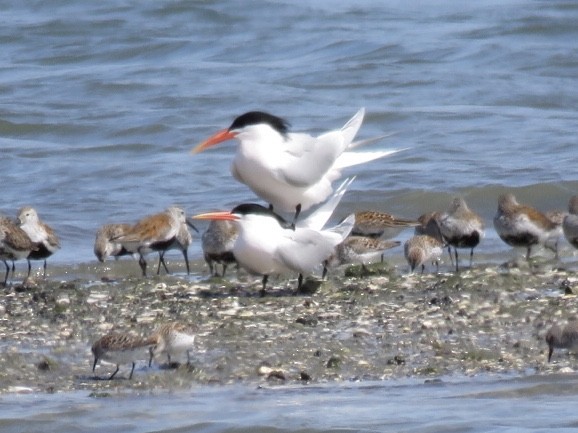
(100, 103)
(536, 404)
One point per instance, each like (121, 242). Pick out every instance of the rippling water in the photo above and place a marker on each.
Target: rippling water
(100, 103)
(535, 404)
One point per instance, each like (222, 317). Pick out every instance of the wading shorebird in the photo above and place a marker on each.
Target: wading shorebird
(121, 348)
(461, 228)
(523, 226)
(41, 234)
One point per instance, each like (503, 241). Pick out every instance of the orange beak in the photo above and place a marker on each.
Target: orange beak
(224, 215)
(219, 137)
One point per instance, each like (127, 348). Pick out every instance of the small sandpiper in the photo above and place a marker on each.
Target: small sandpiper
(420, 249)
(159, 232)
(562, 338)
(15, 244)
(461, 228)
(382, 225)
(121, 348)
(361, 250)
(217, 243)
(106, 243)
(173, 339)
(429, 225)
(43, 236)
(523, 226)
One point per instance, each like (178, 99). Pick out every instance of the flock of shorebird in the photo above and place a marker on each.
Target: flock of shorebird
(292, 172)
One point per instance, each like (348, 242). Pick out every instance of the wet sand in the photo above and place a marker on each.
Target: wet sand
(487, 320)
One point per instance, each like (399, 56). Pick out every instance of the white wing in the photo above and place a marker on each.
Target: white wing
(306, 249)
(319, 218)
(307, 159)
(348, 159)
(344, 227)
(372, 140)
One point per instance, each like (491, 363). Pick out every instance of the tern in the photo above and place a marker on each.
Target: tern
(268, 244)
(291, 171)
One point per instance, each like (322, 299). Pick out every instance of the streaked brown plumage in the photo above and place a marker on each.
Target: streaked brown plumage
(217, 244)
(429, 225)
(41, 234)
(15, 244)
(173, 339)
(159, 232)
(361, 250)
(380, 224)
(420, 249)
(106, 243)
(524, 226)
(121, 348)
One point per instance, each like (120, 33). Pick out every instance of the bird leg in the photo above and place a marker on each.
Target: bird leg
(324, 273)
(116, 371)
(185, 255)
(297, 212)
(265, 278)
(151, 355)
(7, 272)
(299, 281)
(456, 252)
(162, 260)
(212, 271)
(450, 254)
(143, 264)
(131, 371)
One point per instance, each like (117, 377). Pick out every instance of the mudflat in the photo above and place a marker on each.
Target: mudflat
(355, 326)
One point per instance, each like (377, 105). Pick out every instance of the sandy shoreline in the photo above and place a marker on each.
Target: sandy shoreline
(488, 320)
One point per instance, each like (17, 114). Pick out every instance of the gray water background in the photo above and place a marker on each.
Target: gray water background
(101, 102)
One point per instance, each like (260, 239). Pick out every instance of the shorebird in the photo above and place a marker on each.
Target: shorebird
(121, 348)
(358, 249)
(523, 226)
(461, 228)
(159, 232)
(14, 244)
(267, 244)
(420, 249)
(429, 225)
(556, 216)
(173, 339)
(382, 225)
(106, 243)
(291, 171)
(41, 234)
(570, 223)
(217, 244)
(562, 338)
